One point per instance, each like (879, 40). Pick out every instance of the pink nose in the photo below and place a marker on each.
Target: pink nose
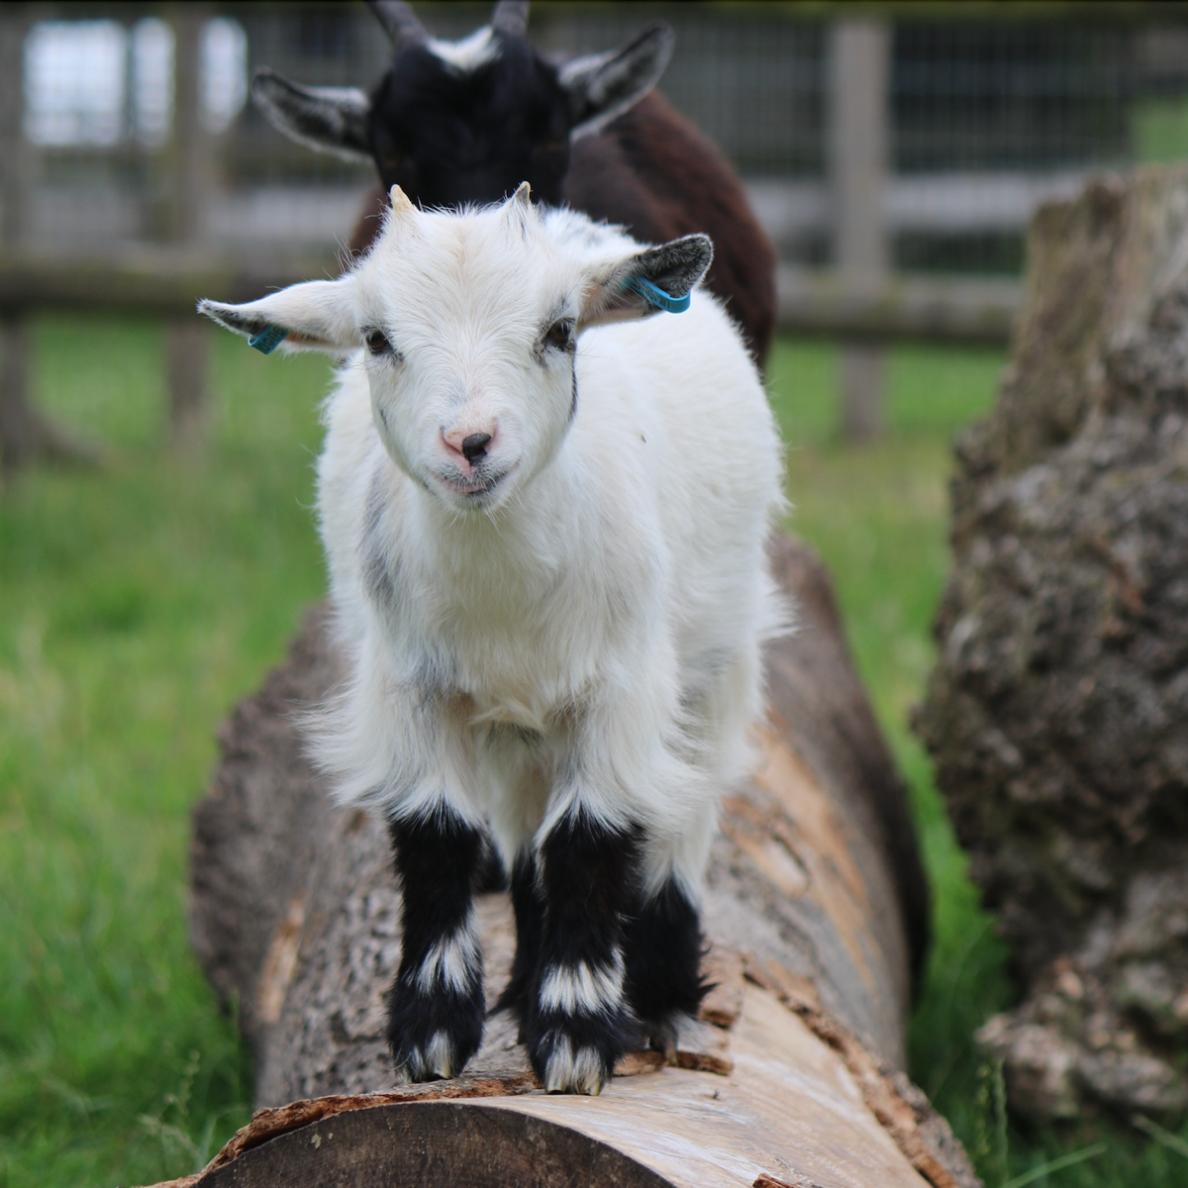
(468, 444)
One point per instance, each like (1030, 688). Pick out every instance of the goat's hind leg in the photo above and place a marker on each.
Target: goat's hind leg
(662, 946)
(529, 913)
(435, 1006)
(664, 942)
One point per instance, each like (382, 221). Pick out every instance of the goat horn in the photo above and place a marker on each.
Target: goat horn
(511, 17)
(401, 206)
(399, 22)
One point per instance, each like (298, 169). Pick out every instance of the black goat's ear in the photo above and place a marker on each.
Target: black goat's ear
(330, 119)
(602, 86)
(657, 280)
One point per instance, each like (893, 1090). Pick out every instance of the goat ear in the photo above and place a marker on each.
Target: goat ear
(603, 86)
(330, 119)
(659, 279)
(312, 316)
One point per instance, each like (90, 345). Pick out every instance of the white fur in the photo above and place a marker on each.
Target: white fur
(573, 1070)
(468, 54)
(579, 988)
(435, 1059)
(451, 963)
(611, 595)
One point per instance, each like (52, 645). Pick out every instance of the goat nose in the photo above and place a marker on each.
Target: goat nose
(462, 443)
(474, 447)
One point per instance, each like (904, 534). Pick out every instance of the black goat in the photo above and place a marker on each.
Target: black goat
(467, 121)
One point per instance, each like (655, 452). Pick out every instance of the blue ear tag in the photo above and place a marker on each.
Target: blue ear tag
(656, 296)
(268, 339)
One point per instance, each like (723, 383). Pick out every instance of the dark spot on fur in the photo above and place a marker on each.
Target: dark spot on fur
(380, 575)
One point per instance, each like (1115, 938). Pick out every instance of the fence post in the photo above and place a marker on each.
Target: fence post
(26, 434)
(858, 157)
(191, 170)
(16, 423)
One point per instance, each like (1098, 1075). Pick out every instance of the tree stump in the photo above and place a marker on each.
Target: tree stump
(816, 912)
(1058, 710)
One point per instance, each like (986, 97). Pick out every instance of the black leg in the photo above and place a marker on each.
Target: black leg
(435, 1006)
(577, 1022)
(663, 946)
(529, 910)
(491, 875)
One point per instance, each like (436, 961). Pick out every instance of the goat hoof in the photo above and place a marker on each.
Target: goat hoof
(434, 1061)
(432, 1041)
(662, 1034)
(572, 1064)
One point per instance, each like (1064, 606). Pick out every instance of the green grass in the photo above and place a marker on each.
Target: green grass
(137, 604)
(1159, 130)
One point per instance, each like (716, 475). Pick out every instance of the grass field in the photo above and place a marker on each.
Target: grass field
(137, 604)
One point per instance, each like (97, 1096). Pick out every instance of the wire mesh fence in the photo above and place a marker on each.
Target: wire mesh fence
(985, 115)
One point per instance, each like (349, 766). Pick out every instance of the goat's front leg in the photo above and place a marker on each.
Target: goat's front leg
(435, 1007)
(576, 1021)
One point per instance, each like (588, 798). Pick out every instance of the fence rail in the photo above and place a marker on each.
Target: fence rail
(167, 282)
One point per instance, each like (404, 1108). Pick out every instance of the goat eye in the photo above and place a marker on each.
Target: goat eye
(377, 343)
(559, 335)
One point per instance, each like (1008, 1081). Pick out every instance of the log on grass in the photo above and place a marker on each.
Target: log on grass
(815, 911)
(1058, 710)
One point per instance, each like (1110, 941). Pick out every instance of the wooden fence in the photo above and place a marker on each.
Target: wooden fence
(857, 207)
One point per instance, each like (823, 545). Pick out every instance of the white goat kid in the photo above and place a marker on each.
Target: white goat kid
(545, 515)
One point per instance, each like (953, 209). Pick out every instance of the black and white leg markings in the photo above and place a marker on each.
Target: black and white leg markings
(663, 945)
(576, 1021)
(435, 1006)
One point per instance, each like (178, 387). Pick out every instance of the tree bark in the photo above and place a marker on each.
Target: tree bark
(816, 912)
(1058, 710)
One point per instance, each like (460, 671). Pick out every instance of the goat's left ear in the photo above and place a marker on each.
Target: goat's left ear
(329, 119)
(658, 279)
(312, 316)
(602, 86)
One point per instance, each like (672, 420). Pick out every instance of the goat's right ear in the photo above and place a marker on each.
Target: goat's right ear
(330, 119)
(658, 279)
(601, 87)
(312, 316)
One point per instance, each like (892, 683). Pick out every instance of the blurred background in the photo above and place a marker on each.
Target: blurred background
(895, 152)
(121, 113)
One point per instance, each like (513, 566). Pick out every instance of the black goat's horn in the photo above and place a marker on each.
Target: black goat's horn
(399, 21)
(511, 17)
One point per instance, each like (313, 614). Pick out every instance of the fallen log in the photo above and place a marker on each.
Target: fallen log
(816, 913)
(1057, 713)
